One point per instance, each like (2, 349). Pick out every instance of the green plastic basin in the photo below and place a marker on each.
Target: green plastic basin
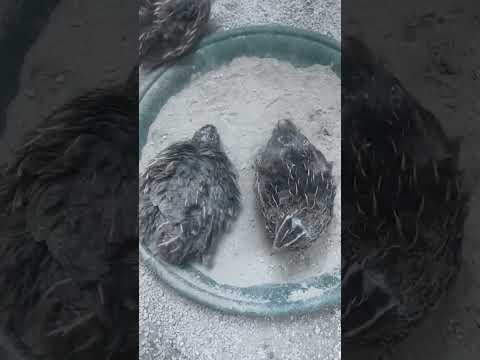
(300, 48)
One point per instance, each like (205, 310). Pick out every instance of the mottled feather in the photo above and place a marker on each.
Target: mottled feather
(294, 188)
(188, 196)
(171, 28)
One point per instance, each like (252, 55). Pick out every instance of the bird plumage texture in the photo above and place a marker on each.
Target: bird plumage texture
(404, 204)
(188, 196)
(171, 28)
(68, 238)
(294, 187)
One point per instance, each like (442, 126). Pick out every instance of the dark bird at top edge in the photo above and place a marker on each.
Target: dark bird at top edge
(170, 29)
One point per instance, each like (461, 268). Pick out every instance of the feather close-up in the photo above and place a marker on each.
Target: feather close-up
(171, 28)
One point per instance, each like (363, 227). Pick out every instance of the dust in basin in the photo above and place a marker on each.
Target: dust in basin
(244, 100)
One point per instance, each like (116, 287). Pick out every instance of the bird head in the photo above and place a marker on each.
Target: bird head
(290, 232)
(207, 136)
(286, 135)
(289, 145)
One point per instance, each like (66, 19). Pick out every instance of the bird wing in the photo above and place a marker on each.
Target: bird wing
(174, 208)
(186, 200)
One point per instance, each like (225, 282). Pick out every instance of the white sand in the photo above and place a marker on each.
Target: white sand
(244, 100)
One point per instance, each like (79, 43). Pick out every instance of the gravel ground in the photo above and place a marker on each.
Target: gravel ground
(318, 15)
(172, 327)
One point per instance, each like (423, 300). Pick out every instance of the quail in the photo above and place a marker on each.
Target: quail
(188, 197)
(294, 187)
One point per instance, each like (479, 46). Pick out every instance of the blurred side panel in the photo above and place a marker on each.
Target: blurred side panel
(69, 180)
(410, 178)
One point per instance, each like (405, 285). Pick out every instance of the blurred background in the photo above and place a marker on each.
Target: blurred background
(433, 48)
